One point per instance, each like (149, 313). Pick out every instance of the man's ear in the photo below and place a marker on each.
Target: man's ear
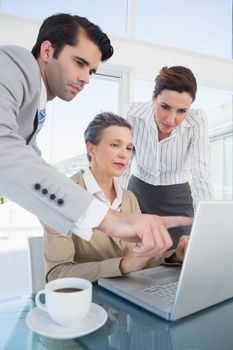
(46, 51)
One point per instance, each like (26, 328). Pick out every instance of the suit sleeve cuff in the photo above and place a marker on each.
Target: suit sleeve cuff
(90, 219)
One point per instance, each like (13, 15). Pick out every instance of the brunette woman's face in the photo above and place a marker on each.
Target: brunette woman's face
(171, 108)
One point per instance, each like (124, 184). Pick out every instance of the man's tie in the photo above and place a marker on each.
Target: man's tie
(41, 119)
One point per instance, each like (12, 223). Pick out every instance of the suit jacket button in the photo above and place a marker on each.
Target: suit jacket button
(44, 191)
(37, 187)
(52, 196)
(60, 201)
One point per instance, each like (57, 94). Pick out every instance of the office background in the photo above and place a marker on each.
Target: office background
(146, 35)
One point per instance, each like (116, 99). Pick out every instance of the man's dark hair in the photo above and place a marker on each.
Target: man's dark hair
(62, 29)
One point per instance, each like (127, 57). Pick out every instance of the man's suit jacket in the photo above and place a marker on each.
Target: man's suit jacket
(24, 177)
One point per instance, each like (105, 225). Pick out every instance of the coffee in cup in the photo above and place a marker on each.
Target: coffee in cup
(67, 300)
(68, 290)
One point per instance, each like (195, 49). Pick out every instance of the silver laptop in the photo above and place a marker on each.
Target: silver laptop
(206, 276)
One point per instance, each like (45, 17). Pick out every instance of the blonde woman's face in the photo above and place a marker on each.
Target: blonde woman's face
(171, 108)
(111, 156)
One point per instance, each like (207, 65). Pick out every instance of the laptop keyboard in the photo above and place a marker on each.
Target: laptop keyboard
(166, 291)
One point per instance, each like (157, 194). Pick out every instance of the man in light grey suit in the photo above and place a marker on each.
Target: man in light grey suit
(68, 50)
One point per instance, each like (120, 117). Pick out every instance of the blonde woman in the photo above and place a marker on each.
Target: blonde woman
(109, 146)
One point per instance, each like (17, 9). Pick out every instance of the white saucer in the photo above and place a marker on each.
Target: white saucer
(40, 322)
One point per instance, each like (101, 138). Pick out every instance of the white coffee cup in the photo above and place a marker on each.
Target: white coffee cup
(67, 300)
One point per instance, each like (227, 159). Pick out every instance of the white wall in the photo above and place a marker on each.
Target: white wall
(145, 58)
(148, 58)
(18, 31)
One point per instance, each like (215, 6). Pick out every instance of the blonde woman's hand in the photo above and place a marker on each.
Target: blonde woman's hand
(131, 263)
(181, 248)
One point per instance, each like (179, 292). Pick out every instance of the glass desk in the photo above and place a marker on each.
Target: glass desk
(128, 328)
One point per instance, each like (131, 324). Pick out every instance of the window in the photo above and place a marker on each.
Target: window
(228, 168)
(218, 106)
(98, 11)
(201, 26)
(143, 89)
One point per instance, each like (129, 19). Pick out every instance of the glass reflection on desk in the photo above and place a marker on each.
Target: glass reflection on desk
(128, 328)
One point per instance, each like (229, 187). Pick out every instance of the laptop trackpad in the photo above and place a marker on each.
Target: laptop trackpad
(160, 274)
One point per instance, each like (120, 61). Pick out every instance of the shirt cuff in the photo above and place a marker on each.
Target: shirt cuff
(90, 219)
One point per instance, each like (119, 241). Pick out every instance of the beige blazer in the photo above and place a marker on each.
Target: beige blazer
(72, 256)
